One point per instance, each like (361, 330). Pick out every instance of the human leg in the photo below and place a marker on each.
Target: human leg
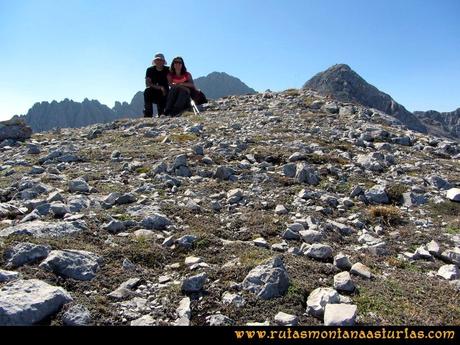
(148, 102)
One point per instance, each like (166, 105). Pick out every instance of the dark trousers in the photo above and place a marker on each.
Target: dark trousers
(152, 95)
(178, 101)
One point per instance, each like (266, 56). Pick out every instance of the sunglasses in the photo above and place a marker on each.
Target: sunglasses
(178, 62)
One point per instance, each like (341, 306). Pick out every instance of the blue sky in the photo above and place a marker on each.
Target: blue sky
(56, 49)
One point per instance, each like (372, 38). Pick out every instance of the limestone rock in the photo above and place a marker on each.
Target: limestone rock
(361, 270)
(283, 319)
(40, 228)
(194, 283)
(318, 299)
(26, 302)
(453, 194)
(76, 264)
(14, 130)
(25, 253)
(340, 314)
(269, 280)
(77, 315)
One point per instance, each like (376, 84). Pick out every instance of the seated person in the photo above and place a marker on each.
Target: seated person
(157, 85)
(181, 83)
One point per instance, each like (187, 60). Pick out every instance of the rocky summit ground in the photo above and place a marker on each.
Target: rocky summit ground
(276, 208)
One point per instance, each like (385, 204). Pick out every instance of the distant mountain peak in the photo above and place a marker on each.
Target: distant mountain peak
(344, 84)
(220, 84)
(341, 66)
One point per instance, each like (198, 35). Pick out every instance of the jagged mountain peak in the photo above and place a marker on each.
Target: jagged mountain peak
(220, 84)
(344, 84)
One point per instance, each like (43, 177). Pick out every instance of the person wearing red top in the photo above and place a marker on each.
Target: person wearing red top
(181, 83)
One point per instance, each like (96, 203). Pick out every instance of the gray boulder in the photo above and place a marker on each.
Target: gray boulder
(234, 299)
(77, 315)
(318, 299)
(269, 280)
(58, 209)
(219, 320)
(114, 226)
(438, 182)
(372, 162)
(342, 262)
(186, 241)
(39, 228)
(183, 171)
(343, 282)
(234, 196)
(377, 195)
(453, 194)
(307, 175)
(289, 234)
(449, 272)
(78, 185)
(319, 251)
(184, 310)
(331, 107)
(76, 264)
(340, 314)
(223, 173)
(403, 140)
(179, 161)
(126, 289)
(452, 256)
(25, 302)
(195, 283)
(340, 227)
(361, 270)
(283, 319)
(412, 199)
(6, 276)
(14, 129)
(146, 320)
(156, 222)
(290, 170)
(311, 236)
(25, 253)
(127, 198)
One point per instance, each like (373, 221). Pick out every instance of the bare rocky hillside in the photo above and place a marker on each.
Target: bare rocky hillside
(277, 208)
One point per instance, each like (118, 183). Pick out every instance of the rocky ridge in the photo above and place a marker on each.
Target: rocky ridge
(45, 116)
(446, 124)
(280, 208)
(344, 84)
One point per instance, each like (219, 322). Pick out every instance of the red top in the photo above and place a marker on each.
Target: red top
(178, 79)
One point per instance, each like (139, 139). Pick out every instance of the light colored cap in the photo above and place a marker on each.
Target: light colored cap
(159, 56)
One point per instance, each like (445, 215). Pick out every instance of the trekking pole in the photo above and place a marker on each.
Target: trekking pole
(194, 107)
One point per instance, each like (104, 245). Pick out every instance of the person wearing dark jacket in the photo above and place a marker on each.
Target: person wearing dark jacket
(157, 86)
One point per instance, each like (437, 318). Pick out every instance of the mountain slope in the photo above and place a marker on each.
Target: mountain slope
(444, 124)
(218, 84)
(344, 84)
(133, 109)
(263, 203)
(44, 116)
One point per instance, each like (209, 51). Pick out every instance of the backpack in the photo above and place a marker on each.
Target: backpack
(198, 97)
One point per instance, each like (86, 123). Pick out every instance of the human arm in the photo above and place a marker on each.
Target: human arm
(188, 82)
(148, 82)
